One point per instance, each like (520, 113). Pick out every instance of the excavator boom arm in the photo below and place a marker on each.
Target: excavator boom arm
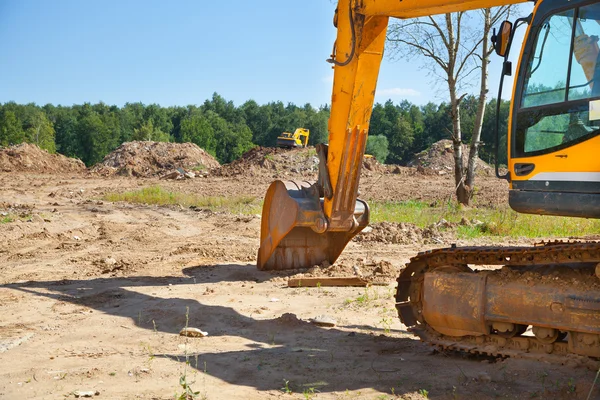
(303, 223)
(422, 8)
(362, 27)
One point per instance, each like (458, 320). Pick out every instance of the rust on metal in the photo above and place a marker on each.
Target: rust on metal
(294, 230)
(553, 288)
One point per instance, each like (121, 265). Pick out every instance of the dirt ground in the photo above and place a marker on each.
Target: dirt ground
(93, 295)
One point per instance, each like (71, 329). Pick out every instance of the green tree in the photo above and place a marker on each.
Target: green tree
(232, 140)
(148, 132)
(11, 131)
(39, 130)
(400, 137)
(378, 147)
(197, 129)
(94, 137)
(65, 126)
(488, 132)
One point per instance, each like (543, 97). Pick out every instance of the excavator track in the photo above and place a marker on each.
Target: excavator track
(553, 287)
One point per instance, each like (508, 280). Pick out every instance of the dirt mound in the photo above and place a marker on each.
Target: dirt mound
(303, 162)
(405, 233)
(371, 165)
(271, 161)
(27, 157)
(372, 271)
(146, 159)
(439, 159)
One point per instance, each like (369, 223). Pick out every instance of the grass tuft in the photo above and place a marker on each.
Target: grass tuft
(497, 221)
(158, 196)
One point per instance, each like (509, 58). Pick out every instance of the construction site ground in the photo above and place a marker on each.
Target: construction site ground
(94, 294)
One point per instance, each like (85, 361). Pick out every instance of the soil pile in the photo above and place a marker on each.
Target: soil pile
(275, 162)
(26, 157)
(372, 271)
(302, 162)
(371, 165)
(405, 233)
(147, 159)
(439, 159)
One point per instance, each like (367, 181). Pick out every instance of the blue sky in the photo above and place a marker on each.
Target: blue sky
(180, 52)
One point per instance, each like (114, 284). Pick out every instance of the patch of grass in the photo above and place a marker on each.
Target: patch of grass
(286, 387)
(199, 167)
(159, 196)
(188, 393)
(498, 221)
(6, 219)
(311, 152)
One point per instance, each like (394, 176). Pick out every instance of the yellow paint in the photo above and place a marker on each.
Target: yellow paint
(354, 84)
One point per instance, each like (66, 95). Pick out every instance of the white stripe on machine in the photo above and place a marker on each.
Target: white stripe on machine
(567, 176)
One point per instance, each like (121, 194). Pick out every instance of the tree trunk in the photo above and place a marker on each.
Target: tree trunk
(463, 194)
(483, 91)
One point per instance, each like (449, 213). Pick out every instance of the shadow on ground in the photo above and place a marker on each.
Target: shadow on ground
(279, 349)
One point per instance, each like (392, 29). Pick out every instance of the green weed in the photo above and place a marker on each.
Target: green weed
(485, 221)
(188, 393)
(156, 195)
(286, 387)
(309, 393)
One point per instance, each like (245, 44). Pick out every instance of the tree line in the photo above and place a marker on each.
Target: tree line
(91, 131)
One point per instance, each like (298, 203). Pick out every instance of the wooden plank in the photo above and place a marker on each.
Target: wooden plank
(327, 281)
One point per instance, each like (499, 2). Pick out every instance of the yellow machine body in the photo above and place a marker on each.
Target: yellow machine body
(356, 58)
(297, 139)
(553, 168)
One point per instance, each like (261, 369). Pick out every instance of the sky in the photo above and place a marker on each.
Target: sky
(182, 51)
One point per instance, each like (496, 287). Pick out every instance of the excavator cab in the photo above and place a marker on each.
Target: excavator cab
(555, 124)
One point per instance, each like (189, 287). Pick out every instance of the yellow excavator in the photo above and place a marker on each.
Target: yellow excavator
(297, 139)
(554, 134)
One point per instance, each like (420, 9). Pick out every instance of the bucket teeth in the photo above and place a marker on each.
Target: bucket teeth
(294, 229)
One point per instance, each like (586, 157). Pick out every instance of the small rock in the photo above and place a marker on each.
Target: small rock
(324, 320)
(484, 377)
(189, 175)
(36, 218)
(367, 229)
(192, 332)
(274, 300)
(86, 393)
(76, 237)
(171, 175)
(110, 261)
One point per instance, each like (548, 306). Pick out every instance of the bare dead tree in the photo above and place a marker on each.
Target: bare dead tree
(457, 49)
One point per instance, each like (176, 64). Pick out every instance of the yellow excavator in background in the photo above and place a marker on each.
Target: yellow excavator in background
(297, 139)
(554, 135)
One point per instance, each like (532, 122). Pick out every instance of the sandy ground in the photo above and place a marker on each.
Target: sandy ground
(93, 295)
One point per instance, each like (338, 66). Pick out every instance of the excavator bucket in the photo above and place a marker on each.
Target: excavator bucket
(294, 231)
